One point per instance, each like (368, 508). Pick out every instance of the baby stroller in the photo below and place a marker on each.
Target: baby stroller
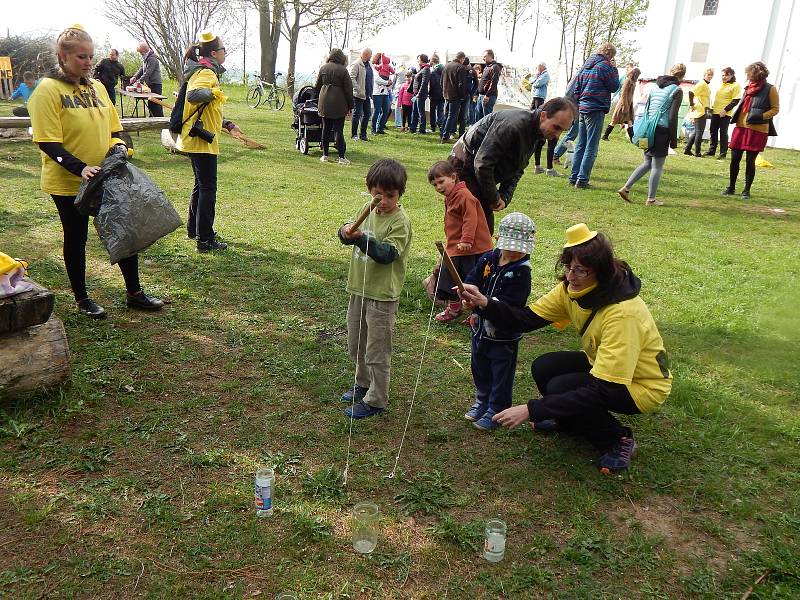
(307, 121)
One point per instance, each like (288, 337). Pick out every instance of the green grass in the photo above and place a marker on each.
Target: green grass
(137, 478)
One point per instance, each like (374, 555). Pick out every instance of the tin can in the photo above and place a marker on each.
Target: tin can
(265, 479)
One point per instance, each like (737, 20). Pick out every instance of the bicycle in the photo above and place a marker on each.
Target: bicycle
(270, 94)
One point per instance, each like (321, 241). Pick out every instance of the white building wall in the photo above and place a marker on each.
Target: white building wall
(742, 31)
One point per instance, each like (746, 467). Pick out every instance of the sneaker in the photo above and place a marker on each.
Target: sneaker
(91, 309)
(354, 138)
(324, 158)
(476, 411)
(746, 195)
(142, 301)
(538, 170)
(344, 161)
(619, 457)
(583, 185)
(653, 202)
(361, 410)
(204, 246)
(547, 426)
(357, 391)
(485, 423)
(553, 173)
(728, 191)
(624, 194)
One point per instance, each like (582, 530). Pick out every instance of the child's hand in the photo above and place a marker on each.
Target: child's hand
(463, 246)
(350, 235)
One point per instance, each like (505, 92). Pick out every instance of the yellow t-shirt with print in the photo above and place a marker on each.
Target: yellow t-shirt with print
(727, 93)
(211, 116)
(66, 113)
(622, 343)
(702, 99)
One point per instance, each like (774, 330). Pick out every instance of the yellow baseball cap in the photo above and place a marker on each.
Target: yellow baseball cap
(579, 234)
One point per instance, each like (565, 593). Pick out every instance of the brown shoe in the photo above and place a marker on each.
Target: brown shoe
(624, 194)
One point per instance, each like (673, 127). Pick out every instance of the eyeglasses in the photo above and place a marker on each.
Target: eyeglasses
(579, 272)
(220, 49)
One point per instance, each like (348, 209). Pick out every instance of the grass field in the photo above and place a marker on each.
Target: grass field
(136, 480)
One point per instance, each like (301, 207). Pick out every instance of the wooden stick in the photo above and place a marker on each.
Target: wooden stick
(364, 214)
(250, 143)
(749, 591)
(451, 268)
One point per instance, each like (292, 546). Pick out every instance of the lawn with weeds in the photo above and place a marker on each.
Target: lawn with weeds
(137, 478)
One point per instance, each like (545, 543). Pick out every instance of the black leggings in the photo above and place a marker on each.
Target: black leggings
(76, 228)
(333, 130)
(551, 148)
(407, 115)
(749, 167)
(559, 375)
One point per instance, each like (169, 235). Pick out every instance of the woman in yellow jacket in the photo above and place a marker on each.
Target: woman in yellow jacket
(753, 118)
(75, 124)
(725, 99)
(622, 367)
(199, 138)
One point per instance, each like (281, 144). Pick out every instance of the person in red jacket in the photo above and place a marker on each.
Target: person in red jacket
(466, 230)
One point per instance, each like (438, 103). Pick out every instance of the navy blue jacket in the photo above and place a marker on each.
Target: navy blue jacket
(510, 283)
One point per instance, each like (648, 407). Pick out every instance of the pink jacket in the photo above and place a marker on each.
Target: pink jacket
(404, 96)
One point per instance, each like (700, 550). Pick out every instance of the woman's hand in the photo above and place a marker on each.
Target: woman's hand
(511, 417)
(472, 296)
(463, 246)
(88, 172)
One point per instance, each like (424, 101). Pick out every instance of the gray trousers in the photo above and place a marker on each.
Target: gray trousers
(654, 164)
(372, 350)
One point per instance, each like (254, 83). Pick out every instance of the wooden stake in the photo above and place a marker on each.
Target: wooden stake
(451, 268)
(364, 214)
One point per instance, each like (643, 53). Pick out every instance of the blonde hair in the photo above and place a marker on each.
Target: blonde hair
(678, 71)
(66, 41)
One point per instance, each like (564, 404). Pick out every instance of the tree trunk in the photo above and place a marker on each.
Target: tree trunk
(293, 39)
(26, 309)
(269, 31)
(35, 358)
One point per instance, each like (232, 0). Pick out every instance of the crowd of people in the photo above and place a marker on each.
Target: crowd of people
(622, 367)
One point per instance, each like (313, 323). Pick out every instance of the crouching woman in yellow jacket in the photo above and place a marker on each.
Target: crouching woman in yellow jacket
(623, 365)
(199, 138)
(75, 124)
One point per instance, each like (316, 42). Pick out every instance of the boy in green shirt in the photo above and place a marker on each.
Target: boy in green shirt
(377, 270)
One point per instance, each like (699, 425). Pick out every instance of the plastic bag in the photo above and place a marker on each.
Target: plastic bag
(130, 212)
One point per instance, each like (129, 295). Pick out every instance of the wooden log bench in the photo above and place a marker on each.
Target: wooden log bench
(34, 353)
(128, 124)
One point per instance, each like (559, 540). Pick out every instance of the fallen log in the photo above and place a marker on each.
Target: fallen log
(128, 124)
(34, 358)
(27, 309)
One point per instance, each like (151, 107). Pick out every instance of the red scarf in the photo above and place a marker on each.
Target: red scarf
(751, 90)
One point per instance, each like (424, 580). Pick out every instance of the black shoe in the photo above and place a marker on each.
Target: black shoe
(210, 245)
(364, 139)
(604, 138)
(699, 155)
(728, 191)
(91, 309)
(193, 236)
(746, 195)
(380, 133)
(142, 301)
(687, 152)
(583, 185)
(710, 153)
(722, 157)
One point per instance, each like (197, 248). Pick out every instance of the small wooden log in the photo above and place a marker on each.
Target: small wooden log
(26, 309)
(364, 214)
(35, 358)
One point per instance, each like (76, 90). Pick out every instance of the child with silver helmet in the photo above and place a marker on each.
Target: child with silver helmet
(505, 274)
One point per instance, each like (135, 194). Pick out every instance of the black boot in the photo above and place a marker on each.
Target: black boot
(728, 191)
(609, 129)
(142, 301)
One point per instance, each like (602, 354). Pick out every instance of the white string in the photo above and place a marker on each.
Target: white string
(361, 317)
(419, 374)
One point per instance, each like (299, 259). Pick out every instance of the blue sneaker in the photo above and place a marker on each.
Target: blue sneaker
(357, 391)
(485, 423)
(361, 410)
(547, 426)
(476, 411)
(619, 457)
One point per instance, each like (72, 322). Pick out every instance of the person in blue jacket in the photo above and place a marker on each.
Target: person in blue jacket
(24, 91)
(594, 84)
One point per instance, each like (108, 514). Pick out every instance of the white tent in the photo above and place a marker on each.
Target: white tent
(440, 30)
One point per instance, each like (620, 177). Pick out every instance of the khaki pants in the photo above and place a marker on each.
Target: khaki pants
(373, 352)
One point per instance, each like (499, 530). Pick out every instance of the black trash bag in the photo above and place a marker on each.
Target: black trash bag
(130, 212)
